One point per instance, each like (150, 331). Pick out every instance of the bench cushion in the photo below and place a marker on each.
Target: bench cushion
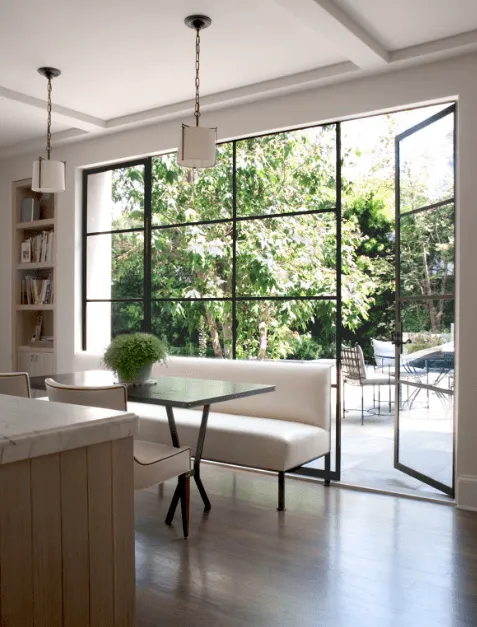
(302, 394)
(242, 440)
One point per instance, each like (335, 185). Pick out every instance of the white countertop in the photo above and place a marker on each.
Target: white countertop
(31, 428)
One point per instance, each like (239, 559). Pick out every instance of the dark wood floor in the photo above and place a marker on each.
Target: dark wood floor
(335, 558)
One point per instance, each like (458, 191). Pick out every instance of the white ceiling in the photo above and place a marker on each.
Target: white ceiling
(401, 23)
(21, 123)
(129, 63)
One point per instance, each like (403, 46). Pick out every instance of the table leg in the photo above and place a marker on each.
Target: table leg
(198, 458)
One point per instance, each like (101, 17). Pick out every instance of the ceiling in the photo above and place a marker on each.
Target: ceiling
(127, 64)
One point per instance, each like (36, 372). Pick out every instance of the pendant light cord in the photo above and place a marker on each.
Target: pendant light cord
(48, 132)
(197, 79)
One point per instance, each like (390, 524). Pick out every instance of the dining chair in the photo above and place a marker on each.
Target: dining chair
(355, 373)
(15, 384)
(153, 463)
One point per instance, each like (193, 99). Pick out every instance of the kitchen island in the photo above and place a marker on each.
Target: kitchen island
(66, 515)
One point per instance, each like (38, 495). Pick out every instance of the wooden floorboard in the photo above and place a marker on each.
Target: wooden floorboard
(336, 557)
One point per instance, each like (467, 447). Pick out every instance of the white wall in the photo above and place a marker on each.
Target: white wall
(454, 78)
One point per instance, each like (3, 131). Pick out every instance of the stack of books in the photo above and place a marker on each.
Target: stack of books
(37, 291)
(42, 247)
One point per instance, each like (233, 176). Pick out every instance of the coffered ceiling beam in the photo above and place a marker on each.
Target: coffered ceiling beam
(330, 22)
(70, 117)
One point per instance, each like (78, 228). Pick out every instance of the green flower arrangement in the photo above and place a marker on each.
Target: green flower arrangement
(131, 356)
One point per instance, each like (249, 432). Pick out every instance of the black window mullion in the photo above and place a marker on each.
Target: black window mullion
(147, 322)
(84, 261)
(234, 251)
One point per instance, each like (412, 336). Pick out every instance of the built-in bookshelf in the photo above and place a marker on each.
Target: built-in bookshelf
(33, 266)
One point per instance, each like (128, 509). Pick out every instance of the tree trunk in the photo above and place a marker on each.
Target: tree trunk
(427, 290)
(214, 334)
(262, 351)
(227, 333)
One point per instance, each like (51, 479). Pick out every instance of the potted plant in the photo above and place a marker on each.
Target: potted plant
(131, 356)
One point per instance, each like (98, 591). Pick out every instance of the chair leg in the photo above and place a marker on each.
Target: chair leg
(281, 491)
(174, 502)
(184, 482)
(344, 397)
(362, 404)
(379, 400)
(160, 490)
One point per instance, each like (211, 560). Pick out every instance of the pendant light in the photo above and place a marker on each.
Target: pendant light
(197, 145)
(48, 176)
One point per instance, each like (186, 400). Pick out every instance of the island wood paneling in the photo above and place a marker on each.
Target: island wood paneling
(67, 538)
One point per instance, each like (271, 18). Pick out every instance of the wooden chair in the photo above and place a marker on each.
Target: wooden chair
(153, 463)
(15, 384)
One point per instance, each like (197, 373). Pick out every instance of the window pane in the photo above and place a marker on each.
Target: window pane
(106, 320)
(192, 261)
(300, 330)
(427, 392)
(427, 165)
(116, 199)
(115, 266)
(291, 256)
(194, 329)
(427, 252)
(183, 195)
(292, 171)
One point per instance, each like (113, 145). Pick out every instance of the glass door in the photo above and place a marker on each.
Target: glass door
(425, 280)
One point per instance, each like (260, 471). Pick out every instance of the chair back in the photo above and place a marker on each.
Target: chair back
(15, 384)
(108, 396)
(352, 363)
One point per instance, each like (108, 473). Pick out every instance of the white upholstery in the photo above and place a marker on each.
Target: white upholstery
(275, 431)
(110, 396)
(155, 463)
(15, 384)
(243, 440)
(302, 390)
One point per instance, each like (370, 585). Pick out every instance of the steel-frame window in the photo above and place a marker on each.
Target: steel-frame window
(148, 300)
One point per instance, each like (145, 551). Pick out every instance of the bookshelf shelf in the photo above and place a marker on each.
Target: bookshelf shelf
(32, 281)
(36, 349)
(35, 307)
(36, 225)
(35, 266)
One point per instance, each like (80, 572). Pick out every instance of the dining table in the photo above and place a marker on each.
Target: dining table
(170, 392)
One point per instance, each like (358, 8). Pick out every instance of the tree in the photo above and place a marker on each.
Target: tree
(287, 256)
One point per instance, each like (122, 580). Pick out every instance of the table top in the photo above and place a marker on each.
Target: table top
(171, 391)
(32, 428)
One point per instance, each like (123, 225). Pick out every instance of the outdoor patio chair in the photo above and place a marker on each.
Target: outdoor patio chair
(355, 373)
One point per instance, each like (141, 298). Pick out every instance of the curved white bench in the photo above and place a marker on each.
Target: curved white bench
(278, 431)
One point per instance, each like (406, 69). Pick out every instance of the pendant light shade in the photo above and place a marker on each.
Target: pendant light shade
(48, 176)
(197, 147)
(197, 144)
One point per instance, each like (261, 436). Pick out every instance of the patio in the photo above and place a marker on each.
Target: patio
(367, 451)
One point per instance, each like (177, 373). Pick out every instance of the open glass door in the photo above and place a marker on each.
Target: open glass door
(424, 338)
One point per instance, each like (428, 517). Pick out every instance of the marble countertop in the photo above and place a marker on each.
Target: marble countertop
(32, 428)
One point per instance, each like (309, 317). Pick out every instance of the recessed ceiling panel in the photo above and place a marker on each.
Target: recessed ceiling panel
(401, 23)
(22, 123)
(120, 57)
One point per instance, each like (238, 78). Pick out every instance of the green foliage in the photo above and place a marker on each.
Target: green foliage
(127, 354)
(279, 256)
(424, 340)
